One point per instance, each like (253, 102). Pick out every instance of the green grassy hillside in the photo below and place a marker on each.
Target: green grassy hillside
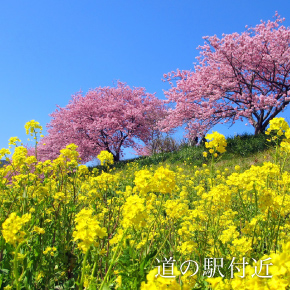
(244, 150)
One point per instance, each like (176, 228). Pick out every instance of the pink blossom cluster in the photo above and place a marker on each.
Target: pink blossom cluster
(240, 75)
(106, 118)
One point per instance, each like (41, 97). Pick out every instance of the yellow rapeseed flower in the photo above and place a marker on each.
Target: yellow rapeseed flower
(134, 212)
(217, 142)
(106, 158)
(13, 228)
(13, 140)
(87, 229)
(279, 125)
(31, 127)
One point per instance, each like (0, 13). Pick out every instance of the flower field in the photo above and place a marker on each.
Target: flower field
(64, 226)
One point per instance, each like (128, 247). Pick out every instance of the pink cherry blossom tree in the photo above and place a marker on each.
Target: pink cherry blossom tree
(237, 76)
(106, 118)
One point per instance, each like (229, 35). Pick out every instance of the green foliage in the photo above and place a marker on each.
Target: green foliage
(245, 145)
(238, 146)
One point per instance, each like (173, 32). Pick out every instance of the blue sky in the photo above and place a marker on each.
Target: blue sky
(52, 49)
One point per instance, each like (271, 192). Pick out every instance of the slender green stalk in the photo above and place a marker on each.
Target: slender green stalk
(243, 205)
(211, 169)
(256, 201)
(15, 267)
(279, 223)
(83, 268)
(113, 260)
(157, 215)
(94, 269)
(277, 151)
(160, 248)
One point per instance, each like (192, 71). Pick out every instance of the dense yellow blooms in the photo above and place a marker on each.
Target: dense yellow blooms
(49, 250)
(104, 181)
(13, 231)
(143, 182)
(277, 278)
(83, 169)
(31, 127)
(13, 140)
(217, 142)
(134, 212)
(83, 224)
(106, 158)
(279, 125)
(155, 281)
(4, 152)
(164, 180)
(87, 230)
(69, 152)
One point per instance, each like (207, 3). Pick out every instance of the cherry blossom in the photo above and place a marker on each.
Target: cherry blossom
(106, 118)
(237, 76)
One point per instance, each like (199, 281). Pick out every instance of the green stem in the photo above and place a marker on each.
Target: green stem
(35, 145)
(94, 270)
(279, 222)
(83, 268)
(15, 267)
(157, 215)
(211, 168)
(283, 164)
(277, 151)
(113, 260)
(243, 205)
(256, 201)
(160, 248)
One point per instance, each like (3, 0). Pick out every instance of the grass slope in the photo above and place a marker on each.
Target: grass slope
(244, 150)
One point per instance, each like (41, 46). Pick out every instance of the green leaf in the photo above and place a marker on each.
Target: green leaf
(145, 261)
(5, 271)
(106, 287)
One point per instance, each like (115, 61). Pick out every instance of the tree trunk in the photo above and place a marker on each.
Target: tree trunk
(202, 140)
(116, 157)
(259, 129)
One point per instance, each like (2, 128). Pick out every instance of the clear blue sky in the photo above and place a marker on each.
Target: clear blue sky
(52, 49)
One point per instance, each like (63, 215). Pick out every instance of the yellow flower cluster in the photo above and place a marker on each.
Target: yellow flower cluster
(83, 169)
(70, 153)
(104, 181)
(156, 282)
(38, 230)
(19, 156)
(13, 140)
(13, 232)
(87, 230)
(216, 144)
(163, 181)
(134, 212)
(273, 273)
(143, 182)
(50, 251)
(106, 158)
(4, 152)
(278, 125)
(31, 127)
